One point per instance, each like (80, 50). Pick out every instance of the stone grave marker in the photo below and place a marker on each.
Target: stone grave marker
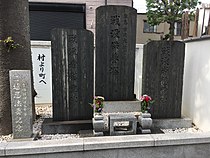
(162, 77)
(115, 52)
(72, 74)
(21, 103)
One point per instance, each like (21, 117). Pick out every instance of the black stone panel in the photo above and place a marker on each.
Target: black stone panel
(72, 74)
(115, 52)
(162, 77)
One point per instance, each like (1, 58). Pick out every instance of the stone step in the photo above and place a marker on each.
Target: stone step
(65, 127)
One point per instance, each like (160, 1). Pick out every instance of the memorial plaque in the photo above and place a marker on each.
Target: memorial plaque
(115, 52)
(162, 77)
(72, 74)
(21, 103)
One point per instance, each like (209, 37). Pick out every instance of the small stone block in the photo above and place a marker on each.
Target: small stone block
(123, 118)
(96, 134)
(98, 125)
(98, 117)
(145, 131)
(145, 115)
(145, 122)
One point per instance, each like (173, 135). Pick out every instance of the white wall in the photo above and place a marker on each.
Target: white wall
(42, 83)
(196, 85)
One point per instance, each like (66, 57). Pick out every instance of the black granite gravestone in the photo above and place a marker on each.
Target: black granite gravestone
(72, 74)
(162, 77)
(115, 52)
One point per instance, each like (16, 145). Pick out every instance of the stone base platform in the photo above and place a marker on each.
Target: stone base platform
(65, 127)
(172, 123)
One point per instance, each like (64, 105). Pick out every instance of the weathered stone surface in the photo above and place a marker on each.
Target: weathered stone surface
(122, 106)
(72, 74)
(145, 122)
(162, 77)
(172, 123)
(98, 117)
(189, 145)
(21, 103)
(98, 133)
(145, 131)
(65, 127)
(145, 115)
(114, 118)
(14, 22)
(98, 125)
(115, 52)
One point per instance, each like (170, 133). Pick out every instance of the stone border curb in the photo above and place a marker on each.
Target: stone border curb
(101, 143)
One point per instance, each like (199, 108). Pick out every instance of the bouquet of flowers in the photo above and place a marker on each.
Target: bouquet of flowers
(146, 102)
(98, 104)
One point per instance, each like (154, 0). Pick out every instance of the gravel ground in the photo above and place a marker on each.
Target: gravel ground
(45, 111)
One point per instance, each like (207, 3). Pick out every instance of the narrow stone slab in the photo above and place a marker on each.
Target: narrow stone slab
(144, 131)
(181, 138)
(97, 134)
(145, 115)
(53, 127)
(86, 133)
(122, 106)
(43, 147)
(115, 52)
(111, 142)
(172, 123)
(21, 103)
(98, 117)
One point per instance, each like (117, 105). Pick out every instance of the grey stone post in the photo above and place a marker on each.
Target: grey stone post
(21, 103)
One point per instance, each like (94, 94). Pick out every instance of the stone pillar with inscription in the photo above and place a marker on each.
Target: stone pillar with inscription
(21, 103)
(162, 77)
(115, 52)
(72, 74)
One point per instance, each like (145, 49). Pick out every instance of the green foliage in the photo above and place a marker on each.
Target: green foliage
(10, 44)
(170, 11)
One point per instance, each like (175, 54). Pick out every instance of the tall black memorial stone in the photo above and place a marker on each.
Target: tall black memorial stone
(72, 74)
(115, 52)
(162, 77)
